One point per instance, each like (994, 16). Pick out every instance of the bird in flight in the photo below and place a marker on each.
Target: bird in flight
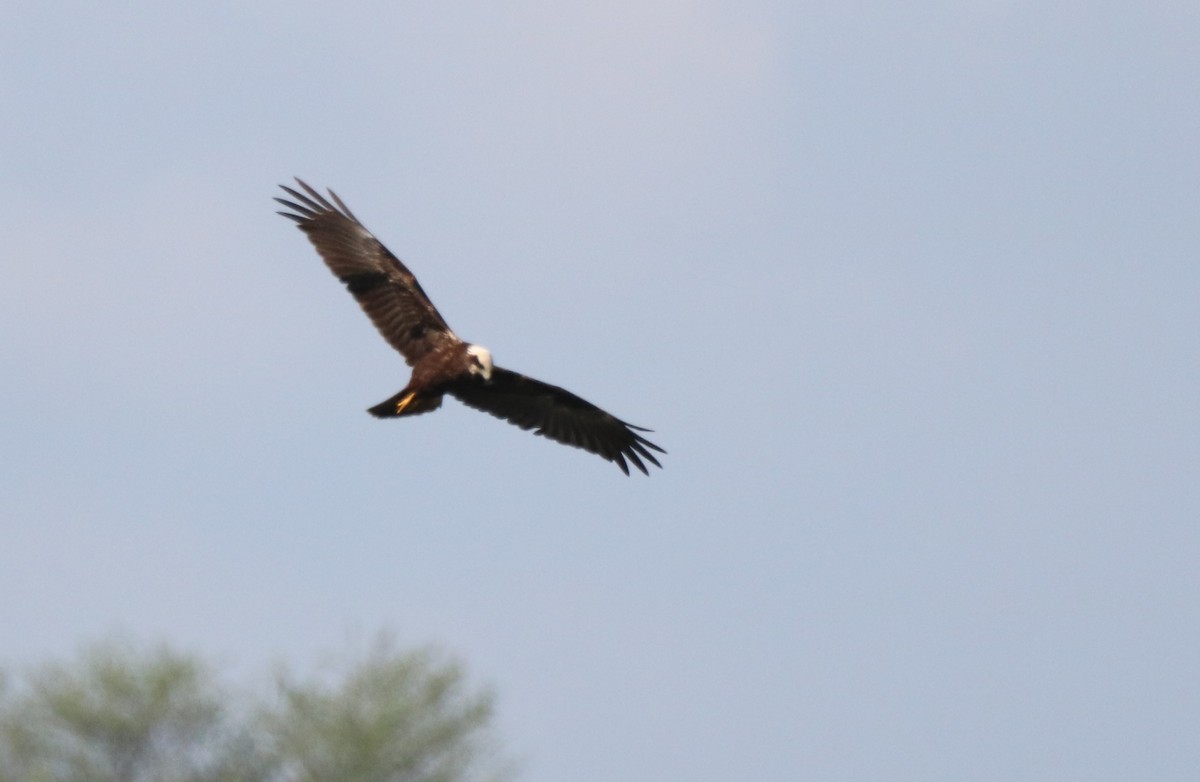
(441, 362)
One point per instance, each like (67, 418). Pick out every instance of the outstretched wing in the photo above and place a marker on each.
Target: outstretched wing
(387, 291)
(558, 414)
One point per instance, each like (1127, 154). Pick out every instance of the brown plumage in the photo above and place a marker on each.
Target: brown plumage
(442, 363)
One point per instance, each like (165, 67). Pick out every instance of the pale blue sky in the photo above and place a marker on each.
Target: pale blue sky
(912, 297)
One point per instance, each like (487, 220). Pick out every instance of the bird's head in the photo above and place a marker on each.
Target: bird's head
(480, 361)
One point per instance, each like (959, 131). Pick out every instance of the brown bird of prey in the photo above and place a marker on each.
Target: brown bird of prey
(441, 362)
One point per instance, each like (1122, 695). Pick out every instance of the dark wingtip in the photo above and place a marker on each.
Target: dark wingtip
(633, 457)
(620, 460)
(648, 444)
(640, 450)
(636, 451)
(310, 203)
(641, 439)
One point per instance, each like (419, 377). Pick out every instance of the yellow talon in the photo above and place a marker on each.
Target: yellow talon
(405, 402)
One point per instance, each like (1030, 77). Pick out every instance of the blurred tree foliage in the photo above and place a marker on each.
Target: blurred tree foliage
(120, 714)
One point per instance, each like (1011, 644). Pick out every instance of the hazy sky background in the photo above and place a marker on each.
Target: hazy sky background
(910, 293)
